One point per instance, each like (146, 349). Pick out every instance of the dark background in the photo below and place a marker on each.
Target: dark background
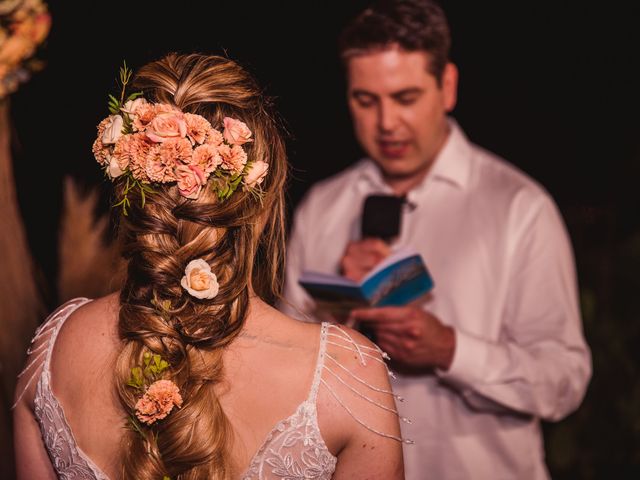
(550, 86)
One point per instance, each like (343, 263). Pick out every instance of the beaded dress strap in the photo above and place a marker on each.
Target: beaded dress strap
(335, 335)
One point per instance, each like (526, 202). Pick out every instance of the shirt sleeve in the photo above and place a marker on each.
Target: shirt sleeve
(541, 364)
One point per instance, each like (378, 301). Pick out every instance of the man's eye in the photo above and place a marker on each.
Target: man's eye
(364, 101)
(407, 100)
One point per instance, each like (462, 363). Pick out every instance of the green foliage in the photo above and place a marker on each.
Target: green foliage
(132, 184)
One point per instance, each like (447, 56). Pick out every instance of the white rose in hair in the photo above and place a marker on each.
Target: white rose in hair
(199, 280)
(256, 174)
(114, 168)
(132, 105)
(113, 130)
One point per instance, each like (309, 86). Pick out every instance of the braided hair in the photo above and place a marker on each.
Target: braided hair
(242, 238)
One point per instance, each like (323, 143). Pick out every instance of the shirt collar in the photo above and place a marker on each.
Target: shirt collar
(451, 165)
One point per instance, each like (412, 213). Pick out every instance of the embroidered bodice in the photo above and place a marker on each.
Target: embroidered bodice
(294, 449)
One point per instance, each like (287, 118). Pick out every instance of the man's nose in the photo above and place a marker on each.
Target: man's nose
(387, 117)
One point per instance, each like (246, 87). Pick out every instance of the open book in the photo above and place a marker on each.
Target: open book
(397, 280)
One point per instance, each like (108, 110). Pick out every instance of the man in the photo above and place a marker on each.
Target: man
(498, 343)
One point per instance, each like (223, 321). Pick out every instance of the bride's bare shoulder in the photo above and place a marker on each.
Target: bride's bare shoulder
(88, 337)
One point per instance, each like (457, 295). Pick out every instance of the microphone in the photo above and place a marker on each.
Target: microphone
(381, 218)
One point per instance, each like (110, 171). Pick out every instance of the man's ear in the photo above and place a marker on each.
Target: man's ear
(450, 86)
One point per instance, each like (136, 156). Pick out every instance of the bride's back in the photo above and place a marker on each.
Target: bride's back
(269, 370)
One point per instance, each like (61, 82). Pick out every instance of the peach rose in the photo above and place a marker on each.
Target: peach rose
(233, 158)
(207, 157)
(256, 174)
(113, 130)
(236, 132)
(158, 401)
(165, 126)
(190, 178)
(199, 280)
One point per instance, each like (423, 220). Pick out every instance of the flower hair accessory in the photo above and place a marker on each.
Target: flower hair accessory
(24, 26)
(159, 395)
(155, 143)
(199, 280)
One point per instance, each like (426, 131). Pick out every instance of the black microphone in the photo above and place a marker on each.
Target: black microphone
(381, 218)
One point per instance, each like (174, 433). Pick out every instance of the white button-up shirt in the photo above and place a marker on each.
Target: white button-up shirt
(497, 249)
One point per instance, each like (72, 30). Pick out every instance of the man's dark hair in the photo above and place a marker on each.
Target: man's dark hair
(414, 25)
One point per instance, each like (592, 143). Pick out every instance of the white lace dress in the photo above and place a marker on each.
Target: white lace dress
(294, 449)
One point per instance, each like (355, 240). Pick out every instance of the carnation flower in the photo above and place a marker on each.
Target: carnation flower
(176, 149)
(158, 401)
(214, 137)
(129, 147)
(197, 127)
(207, 157)
(199, 280)
(233, 158)
(144, 113)
(158, 168)
(236, 132)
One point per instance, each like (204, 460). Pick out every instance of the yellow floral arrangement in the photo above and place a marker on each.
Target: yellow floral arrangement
(24, 25)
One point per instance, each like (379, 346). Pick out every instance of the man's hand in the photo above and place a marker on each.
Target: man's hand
(413, 338)
(361, 256)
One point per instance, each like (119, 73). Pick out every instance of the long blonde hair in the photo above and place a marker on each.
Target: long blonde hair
(242, 238)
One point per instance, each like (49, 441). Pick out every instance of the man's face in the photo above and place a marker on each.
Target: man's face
(399, 110)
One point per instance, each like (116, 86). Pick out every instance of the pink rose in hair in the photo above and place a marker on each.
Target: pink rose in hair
(165, 126)
(236, 132)
(190, 178)
(256, 174)
(207, 157)
(197, 127)
(158, 401)
(233, 158)
(176, 149)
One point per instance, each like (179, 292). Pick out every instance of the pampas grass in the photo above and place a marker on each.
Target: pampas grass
(89, 265)
(21, 305)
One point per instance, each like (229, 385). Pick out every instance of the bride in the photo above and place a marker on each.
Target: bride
(189, 372)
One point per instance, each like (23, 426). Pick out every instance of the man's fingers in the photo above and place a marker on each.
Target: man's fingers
(381, 314)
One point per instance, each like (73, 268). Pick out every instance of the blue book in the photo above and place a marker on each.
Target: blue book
(397, 280)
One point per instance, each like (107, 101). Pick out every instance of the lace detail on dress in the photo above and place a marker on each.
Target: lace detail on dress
(68, 461)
